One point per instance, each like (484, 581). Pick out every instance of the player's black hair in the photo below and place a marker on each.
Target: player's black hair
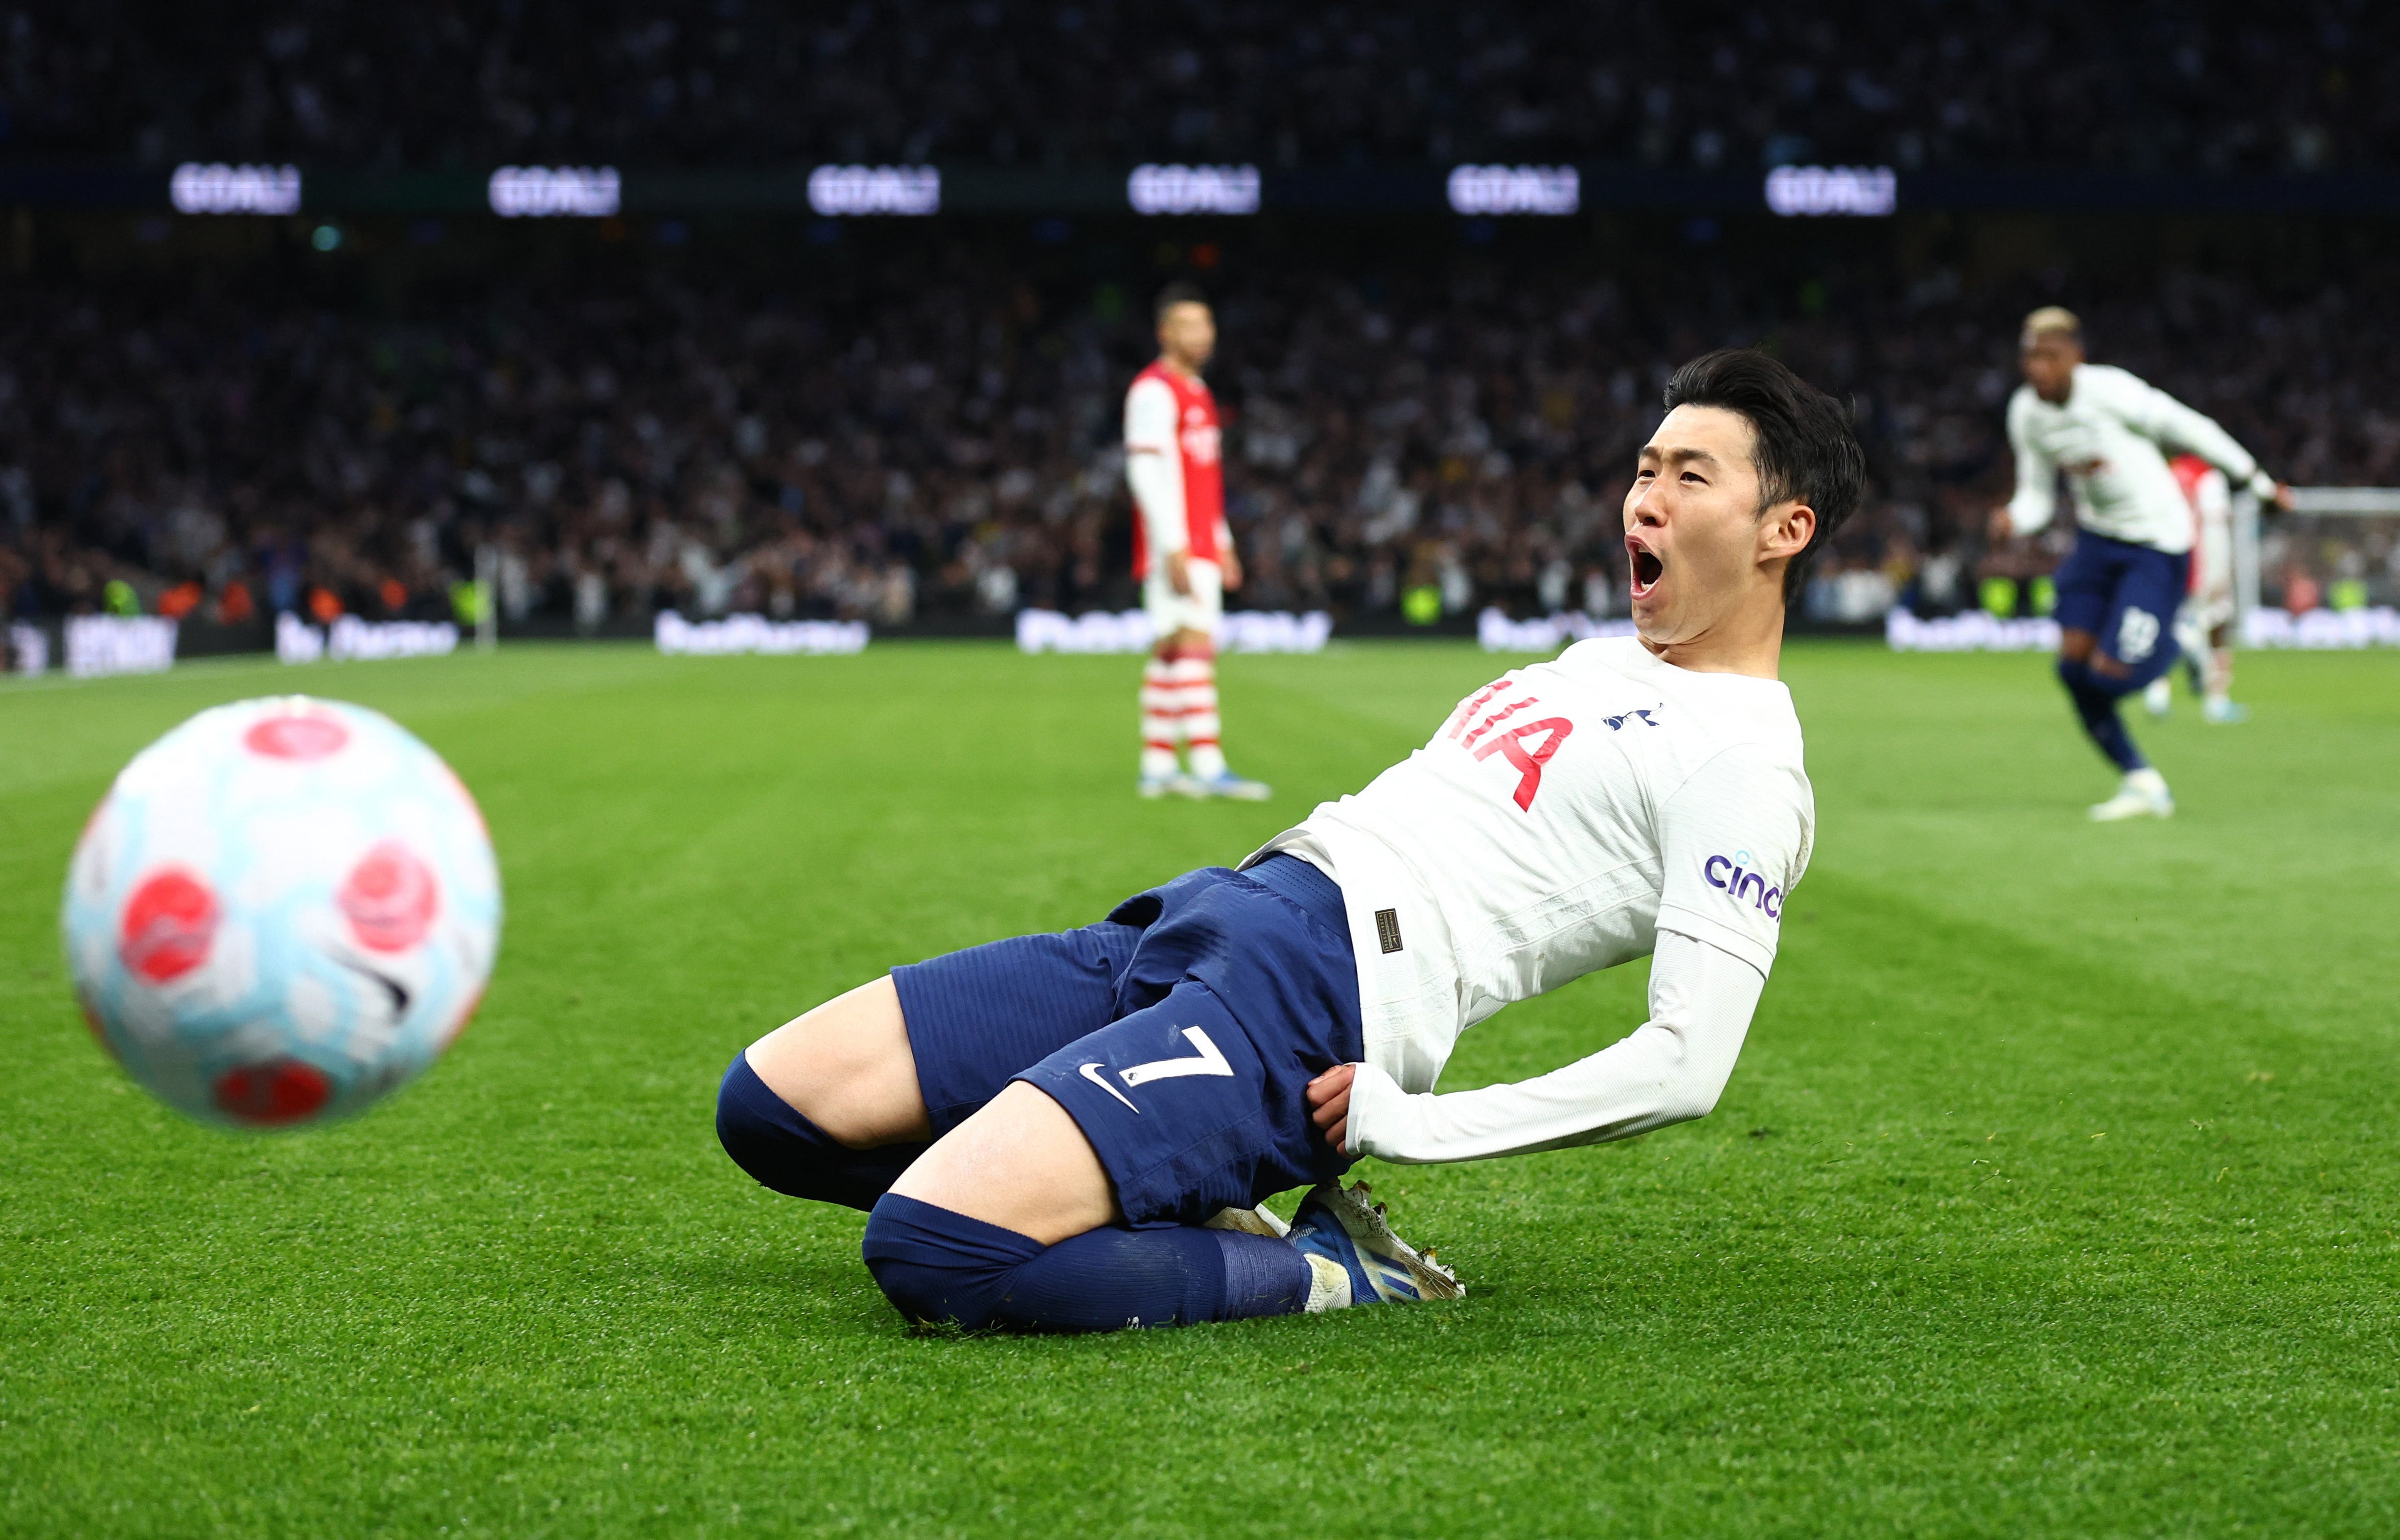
(1178, 292)
(1801, 438)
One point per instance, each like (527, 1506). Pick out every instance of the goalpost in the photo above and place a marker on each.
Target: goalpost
(2341, 502)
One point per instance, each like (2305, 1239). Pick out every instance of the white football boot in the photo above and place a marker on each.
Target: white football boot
(2158, 697)
(2143, 794)
(1237, 788)
(1355, 1257)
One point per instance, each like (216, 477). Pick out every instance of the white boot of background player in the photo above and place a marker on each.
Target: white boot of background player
(2143, 794)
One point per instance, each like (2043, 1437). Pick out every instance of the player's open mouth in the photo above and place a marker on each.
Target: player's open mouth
(1647, 569)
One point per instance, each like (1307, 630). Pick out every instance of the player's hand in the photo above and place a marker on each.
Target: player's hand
(2282, 498)
(2003, 527)
(1329, 1104)
(1179, 572)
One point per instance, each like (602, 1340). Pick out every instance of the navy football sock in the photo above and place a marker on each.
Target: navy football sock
(1260, 1277)
(769, 1138)
(937, 1265)
(2095, 699)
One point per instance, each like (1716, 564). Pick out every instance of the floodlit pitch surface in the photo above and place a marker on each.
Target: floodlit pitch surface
(2055, 1193)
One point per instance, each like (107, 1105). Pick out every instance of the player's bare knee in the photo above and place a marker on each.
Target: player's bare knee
(847, 1066)
(1021, 1162)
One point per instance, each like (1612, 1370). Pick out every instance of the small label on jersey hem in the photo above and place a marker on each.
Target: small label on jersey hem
(1387, 929)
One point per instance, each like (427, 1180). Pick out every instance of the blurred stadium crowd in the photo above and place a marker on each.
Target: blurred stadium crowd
(941, 443)
(2160, 85)
(948, 448)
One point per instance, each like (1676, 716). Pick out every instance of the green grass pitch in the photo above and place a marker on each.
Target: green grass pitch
(2055, 1193)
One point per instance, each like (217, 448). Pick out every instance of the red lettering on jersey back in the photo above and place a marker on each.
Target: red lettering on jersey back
(1511, 742)
(1511, 709)
(1529, 762)
(1475, 703)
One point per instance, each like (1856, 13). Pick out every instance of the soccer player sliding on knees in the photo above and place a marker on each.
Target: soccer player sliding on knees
(1070, 1132)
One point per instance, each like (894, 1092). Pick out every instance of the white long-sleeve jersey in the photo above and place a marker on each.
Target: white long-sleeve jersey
(1568, 817)
(2111, 436)
(1671, 1070)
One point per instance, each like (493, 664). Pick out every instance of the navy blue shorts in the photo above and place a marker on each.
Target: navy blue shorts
(1179, 1033)
(2126, 595)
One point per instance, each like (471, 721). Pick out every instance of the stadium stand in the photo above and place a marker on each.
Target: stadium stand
(920, 433)
(2155, 86)
(950, 451)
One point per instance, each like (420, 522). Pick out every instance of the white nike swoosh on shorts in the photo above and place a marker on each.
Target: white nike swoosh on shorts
(1092, 1073)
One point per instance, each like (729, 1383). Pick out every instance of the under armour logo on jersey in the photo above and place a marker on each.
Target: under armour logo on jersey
(1617, 723)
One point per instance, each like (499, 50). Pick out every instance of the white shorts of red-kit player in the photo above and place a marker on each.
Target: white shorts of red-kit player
(2212, 545)
(1202, 609)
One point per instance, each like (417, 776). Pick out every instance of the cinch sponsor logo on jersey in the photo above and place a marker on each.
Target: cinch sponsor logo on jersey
(1732, 874)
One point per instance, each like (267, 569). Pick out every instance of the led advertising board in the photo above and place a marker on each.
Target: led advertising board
(1812, 191)
(1515, 190)
(218, 188)
(842, 190)
(555, 192)
(1193, 190)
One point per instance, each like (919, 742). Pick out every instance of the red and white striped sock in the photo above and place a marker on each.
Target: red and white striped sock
(1161, 724)
(1197, 695)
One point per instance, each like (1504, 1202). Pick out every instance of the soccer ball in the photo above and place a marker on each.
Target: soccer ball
(283, 910)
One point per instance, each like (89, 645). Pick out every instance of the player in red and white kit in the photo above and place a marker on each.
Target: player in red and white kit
(1183, 552)
(2204, 627)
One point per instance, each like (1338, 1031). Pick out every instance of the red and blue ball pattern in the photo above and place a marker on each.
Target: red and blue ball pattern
(282, 911)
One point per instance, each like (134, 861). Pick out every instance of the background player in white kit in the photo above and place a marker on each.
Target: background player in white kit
(2204, 625)
(2120, 590)
(1184, 552)
(1067, 1132)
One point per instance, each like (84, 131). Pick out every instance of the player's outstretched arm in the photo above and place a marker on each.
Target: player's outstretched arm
(2169, 422)
(1670, 1070)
